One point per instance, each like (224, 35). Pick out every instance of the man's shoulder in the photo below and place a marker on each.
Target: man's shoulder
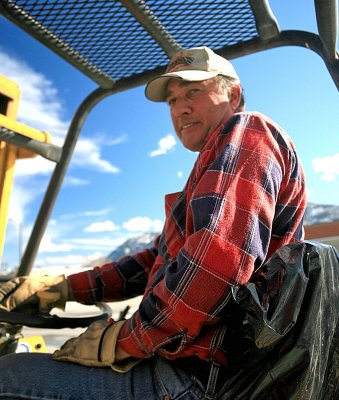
(254, 121)
(250, 127)
(253, 117)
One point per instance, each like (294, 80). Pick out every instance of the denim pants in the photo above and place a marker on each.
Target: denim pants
(38, 376)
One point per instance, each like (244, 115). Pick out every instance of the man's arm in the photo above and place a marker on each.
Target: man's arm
(118, 280)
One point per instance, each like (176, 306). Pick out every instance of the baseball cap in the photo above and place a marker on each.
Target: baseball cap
(195, 64)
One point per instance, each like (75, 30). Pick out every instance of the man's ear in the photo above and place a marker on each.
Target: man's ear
(235, 94)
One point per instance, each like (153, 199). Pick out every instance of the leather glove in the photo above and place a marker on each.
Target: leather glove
(96, 347)
(33, 294)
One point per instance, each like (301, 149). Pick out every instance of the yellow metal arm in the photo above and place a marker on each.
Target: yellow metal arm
(13, 133)
(26, 131)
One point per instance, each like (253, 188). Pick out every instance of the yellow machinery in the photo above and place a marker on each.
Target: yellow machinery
(32, 344)
(9, 153)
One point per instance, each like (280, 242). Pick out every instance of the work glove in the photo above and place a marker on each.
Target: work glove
(96, 347)
(9, 336)
(34, 294)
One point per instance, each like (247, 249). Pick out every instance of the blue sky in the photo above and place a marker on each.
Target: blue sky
(128, 157)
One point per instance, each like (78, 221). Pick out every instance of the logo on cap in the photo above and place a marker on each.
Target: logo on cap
(178, 62)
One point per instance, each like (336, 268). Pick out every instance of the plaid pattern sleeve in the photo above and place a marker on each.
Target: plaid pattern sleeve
(244, 199)
(114, 281)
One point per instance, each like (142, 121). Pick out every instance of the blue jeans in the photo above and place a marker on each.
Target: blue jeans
(37, 376)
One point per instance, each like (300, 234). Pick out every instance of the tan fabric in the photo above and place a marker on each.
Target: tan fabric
(126, 365)
(95, 347)
(30, 294)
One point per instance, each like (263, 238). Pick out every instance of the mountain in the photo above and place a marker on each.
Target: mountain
(133, 245)
(315, 214)
(129, 247)
(320, 214)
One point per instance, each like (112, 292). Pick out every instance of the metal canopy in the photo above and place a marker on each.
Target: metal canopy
(113, 40)
(123, 44)
(128, 41)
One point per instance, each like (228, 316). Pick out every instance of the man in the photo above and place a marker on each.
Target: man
(244, 199)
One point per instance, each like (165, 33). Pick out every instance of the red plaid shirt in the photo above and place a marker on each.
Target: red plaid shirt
(244, 199)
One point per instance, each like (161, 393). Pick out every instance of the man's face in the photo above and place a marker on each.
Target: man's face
(197, 109)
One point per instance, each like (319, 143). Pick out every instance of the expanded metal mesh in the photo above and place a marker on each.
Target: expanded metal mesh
(106, 39)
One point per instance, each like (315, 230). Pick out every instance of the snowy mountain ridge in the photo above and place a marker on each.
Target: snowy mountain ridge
(315, 214)
(321, 214)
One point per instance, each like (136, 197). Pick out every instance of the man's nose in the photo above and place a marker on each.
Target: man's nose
(182, 106)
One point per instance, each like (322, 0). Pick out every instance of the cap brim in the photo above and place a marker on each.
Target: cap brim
(156, 88)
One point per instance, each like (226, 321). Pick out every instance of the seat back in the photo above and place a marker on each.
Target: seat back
(287, 346)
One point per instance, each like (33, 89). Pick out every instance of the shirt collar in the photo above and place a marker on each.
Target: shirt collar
(210, 138)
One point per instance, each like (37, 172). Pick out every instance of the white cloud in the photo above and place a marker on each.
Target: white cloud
(47, 246)
(115, 141)
(56, 265)
(39, 104)
(71, 259)
(50, 244)
(21, 197)
(72, 263)
(74, 181)
(165, 144)
(89, 213)
(87, 153)
(143, 224)
(105, 226)
(102, 243)
(33, 166)
(327, 166)
(180, 174)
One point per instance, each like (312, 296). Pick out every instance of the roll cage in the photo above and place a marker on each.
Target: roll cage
(122, 44)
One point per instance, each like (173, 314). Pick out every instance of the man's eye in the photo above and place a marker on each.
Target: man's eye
(193, 92)
(170, 101)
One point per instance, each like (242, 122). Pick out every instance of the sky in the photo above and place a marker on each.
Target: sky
(128, 156)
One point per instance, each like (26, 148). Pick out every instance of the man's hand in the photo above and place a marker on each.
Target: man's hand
(96, 347)
(33, 294)
(120, 354)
